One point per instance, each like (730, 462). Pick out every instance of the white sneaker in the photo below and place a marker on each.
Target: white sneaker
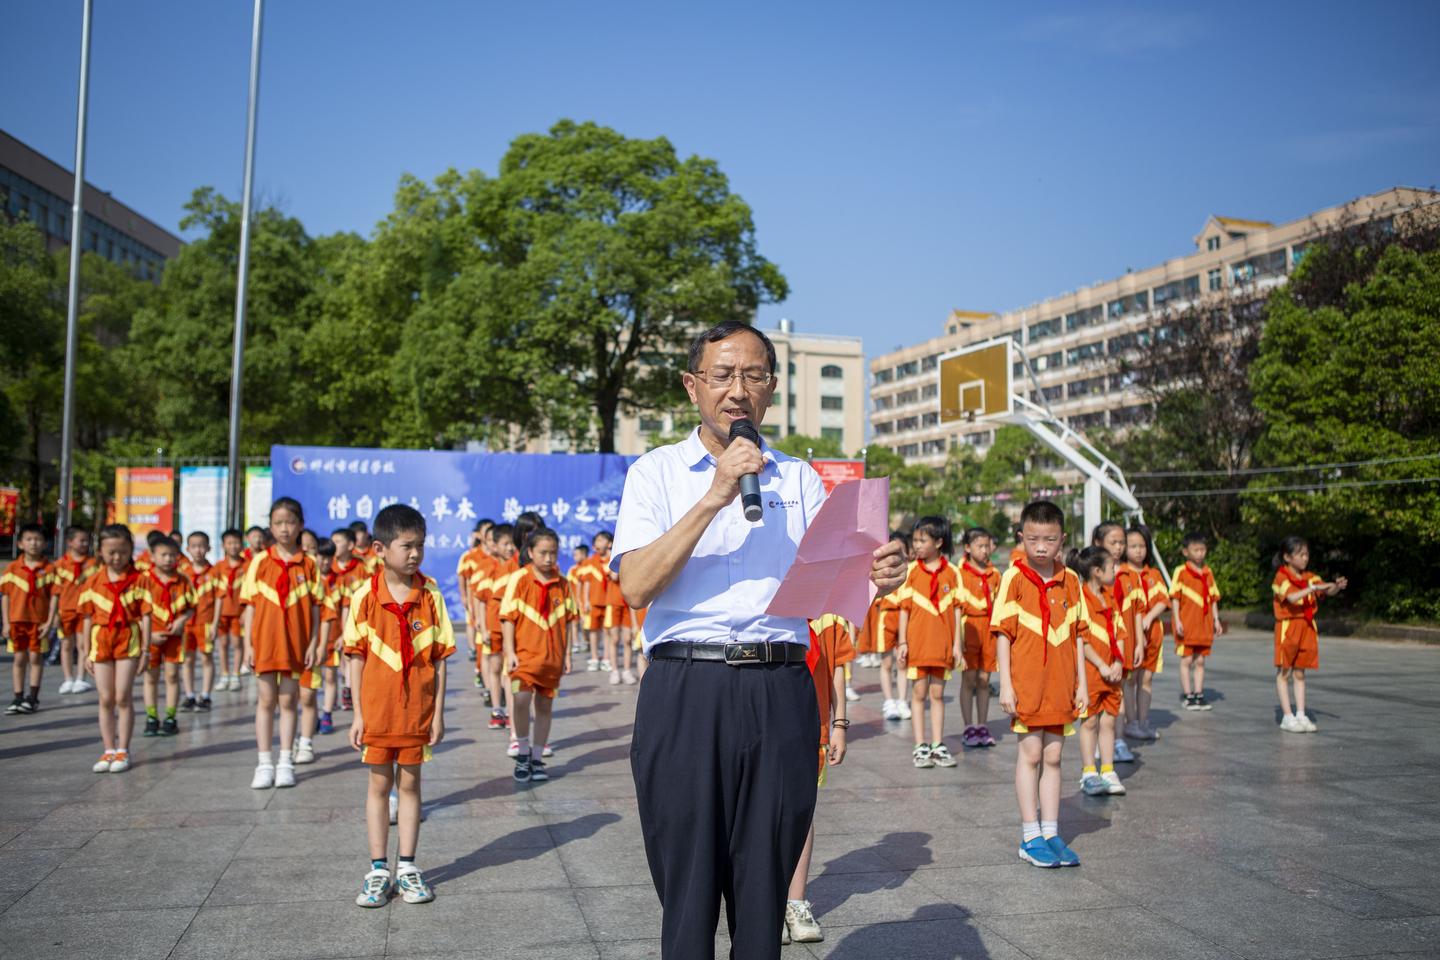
(904, 707)
(890, 711)
(606, 666)
(66, 686)
(81, 686)
(1113, 786)
(285, 775)
(1123, 754)
(264, 777)
(850, 695)
(629, 677)
(1306, 722)
(394, 808)
(244, 671)
(549, 751)
(1291, 724)
(614, 678)
(592, 665)
(513, 750)
(103, 764)
(121, 763)
(304, 753)
(800, 921)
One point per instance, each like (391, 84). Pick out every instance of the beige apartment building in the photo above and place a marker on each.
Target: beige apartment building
(1074, 340)
(821, 393)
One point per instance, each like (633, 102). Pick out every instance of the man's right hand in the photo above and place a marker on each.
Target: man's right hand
(740, 458)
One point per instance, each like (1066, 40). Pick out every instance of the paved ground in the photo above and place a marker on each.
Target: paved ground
(1235, 840)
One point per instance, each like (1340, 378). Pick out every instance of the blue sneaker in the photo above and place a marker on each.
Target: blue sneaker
(1064, 856)
(1039, 853)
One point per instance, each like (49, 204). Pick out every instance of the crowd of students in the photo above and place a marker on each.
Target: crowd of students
(1072, 639)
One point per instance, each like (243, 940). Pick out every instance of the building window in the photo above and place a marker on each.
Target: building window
(793, 401)
(884, 376)
(1050, 361)
(907, 369)
(908, 449)
(790, 368)
(907, 423)
(1176, 290)
(885, 402)
(1043, 329)
(885, 426)
(930, 391)
(831, 372)
(1213, 278)
(929, 419)
(1212, 243)
(1082, 318)
(1087, 387)
(930, 362)
(1049, 394)
(1080, 354)
(651, 425)
(930, 447)
(1087, 421)
(832, 433)
(980, 439)
(906, 396)
(832, 403)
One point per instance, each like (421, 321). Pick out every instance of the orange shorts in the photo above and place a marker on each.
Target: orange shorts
(1054, 729)
(198, 640)
(70, 624)
(311, 680)
(1297, 645)
(27, 637)
(1153, 646)
(595, 619)
(518, 685)
(1192, 649)
(229, 627)
(618, 617)
(937, 673)
(405, 756)
(107, 645)
(979, 645)
(1104, 699)
(168, 651)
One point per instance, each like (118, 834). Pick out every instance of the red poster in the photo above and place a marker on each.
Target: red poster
(145, 499)
(9, 506)
(834, 472)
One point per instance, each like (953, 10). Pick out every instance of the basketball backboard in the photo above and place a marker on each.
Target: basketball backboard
(975, 382)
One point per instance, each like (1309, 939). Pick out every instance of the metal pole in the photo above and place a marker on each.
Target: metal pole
(237, 364)
(72, 308)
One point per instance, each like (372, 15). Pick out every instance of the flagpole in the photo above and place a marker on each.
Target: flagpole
(237, 365)
(72, 307)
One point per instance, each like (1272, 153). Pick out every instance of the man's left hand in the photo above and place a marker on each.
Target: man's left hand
(888, 570)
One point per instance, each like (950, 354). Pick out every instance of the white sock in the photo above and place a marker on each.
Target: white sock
(1049, 828)
(1029, 830)
(267, 759)
(287, 758)
(305, 741)
(524, 744)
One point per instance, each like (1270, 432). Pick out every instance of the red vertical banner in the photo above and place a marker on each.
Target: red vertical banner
(145, 499)
(9, 506)
(833, 472)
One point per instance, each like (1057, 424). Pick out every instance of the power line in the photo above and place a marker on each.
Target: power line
(1253, 471)
(1317, 487)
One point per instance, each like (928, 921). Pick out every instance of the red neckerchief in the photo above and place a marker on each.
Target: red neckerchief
(331, 579)
(1108, 613)
(1119, 596)
(544, 586)
(1204, 577)
(119, 616)
(1043, 586)
(812, 654)
(282, 586)
(1307, 605)
(935, 582)
(32, 574)
(165, 594)
(407, 640)
(231, 572)
(74, 566)
(985, 585)
(341, 570)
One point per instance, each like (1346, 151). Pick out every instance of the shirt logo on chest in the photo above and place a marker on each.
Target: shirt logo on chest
(782, 504)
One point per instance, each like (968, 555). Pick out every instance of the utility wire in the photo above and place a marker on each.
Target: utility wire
(1253, 471)
(1317, 487)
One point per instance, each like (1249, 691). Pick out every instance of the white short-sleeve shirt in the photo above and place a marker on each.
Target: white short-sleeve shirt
(721, 594)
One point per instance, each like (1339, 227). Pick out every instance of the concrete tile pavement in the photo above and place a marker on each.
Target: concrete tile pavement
(1235, 841)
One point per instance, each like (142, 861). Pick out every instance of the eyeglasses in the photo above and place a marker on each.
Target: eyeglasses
(723, 378)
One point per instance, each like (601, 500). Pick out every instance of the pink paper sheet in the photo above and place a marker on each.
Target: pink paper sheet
(831, 571)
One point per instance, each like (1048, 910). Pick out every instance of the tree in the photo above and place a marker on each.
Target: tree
(797, 444)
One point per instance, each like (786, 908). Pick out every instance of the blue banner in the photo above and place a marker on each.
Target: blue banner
(577, 494)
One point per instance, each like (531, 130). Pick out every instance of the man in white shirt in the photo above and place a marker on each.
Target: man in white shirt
(725, 749)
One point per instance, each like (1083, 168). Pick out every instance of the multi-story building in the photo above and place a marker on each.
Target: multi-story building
(821, 393)
(32, 185)
(1074, 340)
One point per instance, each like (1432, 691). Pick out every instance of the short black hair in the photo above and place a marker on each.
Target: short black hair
(199, 533)
(154, 537)
(396, 519)
(936, 528)
(359, 526)
(503, 530)
(1042, 511)
(1192, 537)
(482, 523)
(72, 531)
(326, 548)
(1097, 536)
(581, 546)
(603, 533)
(255, 529)
(973, 534)
(1086, 562)
(231, 532)
(289, 504)
(544, 533)
(164, 543)
(116, 531)
(345, 532)
(724, 330)
(31, 528)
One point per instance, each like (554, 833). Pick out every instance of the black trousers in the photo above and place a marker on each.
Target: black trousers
(725, 762)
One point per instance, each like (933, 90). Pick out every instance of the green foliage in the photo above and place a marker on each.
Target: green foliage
(1241, 571)
(796, 444)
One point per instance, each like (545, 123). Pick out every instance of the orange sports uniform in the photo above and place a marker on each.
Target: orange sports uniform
(977, 603)
(1017, 554)
(477, 591)
(464, 570)
(114, 610)
(1297, 643)
(31, 592)
(144, 563)
(332, 609)
(286, 596)
(68, 577)
(1155, 596)
(401, 642)
(541, 610)
(930, 600)
(228, 581)
(830, 648)
(494, 592)
(1043, 619)
(617, 613)
(199, 632)
(1104, 638)
(1128, 594)
(164, 602)
(1193, 595)
(591, 577)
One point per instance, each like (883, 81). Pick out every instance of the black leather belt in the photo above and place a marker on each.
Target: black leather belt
(734, 654)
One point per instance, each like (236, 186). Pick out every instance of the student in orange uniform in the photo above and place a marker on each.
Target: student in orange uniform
(168, 606)
(397, 639)
(282, 597)
(895, 694)
(29, 610)
(489, 585)
(1042, 675)
(575, 577)
(464, 570)
(979, 582)
(618, 624)
(538, 620)
(1195, 613)
(310, 543)
(200, 629)
(832, 645)
(592, 598)
(110, 619)
(1128, 600)
(1017, 552)
(349, 572)
(254, 543)
(1104, 670)
(1297, 591)
(365, 547)
(229, 575)
(930, 635)
(69, 575)
(1140, 563)
(312, 678)
(146, 561)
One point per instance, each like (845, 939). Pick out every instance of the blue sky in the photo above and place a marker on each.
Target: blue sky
(901, 158)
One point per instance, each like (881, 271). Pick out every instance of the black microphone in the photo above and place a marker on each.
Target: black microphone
(749, 482)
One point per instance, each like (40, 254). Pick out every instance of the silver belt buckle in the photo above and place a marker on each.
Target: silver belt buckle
(740, 654)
